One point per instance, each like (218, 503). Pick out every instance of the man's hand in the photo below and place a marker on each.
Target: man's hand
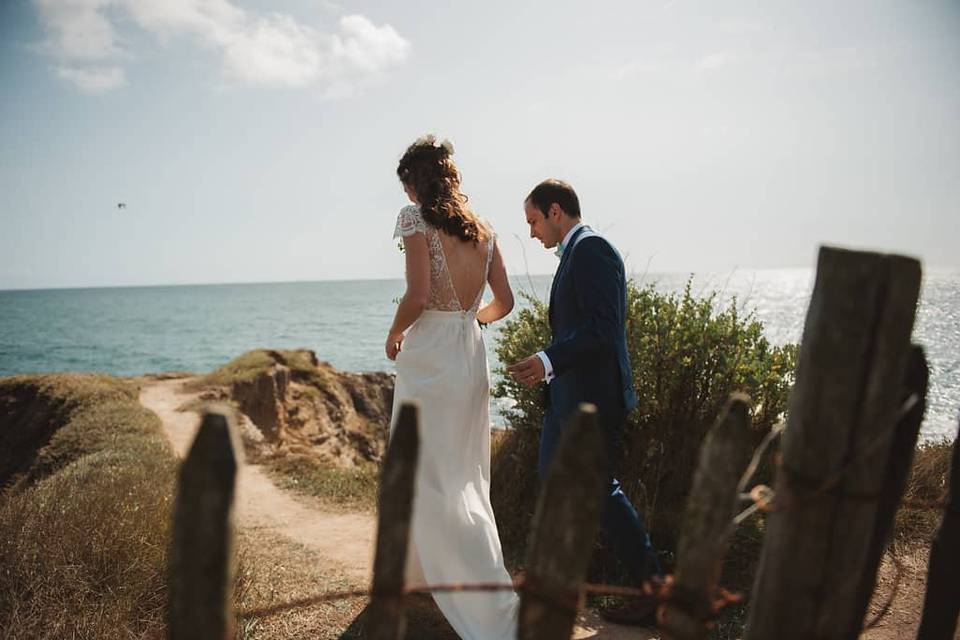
(528, 371)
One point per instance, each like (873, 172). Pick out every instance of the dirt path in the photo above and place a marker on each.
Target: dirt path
(341, 541)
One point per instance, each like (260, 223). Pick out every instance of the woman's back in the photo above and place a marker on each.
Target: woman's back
(458, 268)
(467, 264)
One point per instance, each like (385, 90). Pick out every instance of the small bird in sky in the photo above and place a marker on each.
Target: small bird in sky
(121, 205)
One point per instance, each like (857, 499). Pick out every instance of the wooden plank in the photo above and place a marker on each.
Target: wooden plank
(201, 558)
(387, 617)
(706, 525)
(914, 397)
(564, 527)
(941, 605)
(843, 412)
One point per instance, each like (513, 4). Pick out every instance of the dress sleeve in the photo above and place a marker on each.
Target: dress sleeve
(491, 241)
(409, 222)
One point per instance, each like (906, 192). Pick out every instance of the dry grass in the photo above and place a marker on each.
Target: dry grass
(249, 365)
(348, 489)
(513, 488)
(84, 525)
(928, 480)
(277, 570)
(513, 494)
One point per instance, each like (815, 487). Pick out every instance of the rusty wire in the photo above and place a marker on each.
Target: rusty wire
(660, 590)
(762, 497)
(521, 584)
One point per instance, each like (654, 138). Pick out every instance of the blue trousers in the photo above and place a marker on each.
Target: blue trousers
(620, 523)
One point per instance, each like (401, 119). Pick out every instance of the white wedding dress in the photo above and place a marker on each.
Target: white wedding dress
(442, 365)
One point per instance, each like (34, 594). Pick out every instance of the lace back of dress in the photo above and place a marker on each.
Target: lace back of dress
(443, 295)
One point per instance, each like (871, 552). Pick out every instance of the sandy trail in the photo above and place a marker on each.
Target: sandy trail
(344, 540)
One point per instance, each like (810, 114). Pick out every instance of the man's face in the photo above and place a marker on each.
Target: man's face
(546, 229)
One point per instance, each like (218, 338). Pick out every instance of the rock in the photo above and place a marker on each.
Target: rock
(264, 400)
(310, 407)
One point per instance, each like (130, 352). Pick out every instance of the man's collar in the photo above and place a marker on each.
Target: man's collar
(566, 239)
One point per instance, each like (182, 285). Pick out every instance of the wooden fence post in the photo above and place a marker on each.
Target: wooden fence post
(941, 605)
(843, 412)
(897, 471)
(707, 522)
(201, 558)
(563, 531)
(387, 618)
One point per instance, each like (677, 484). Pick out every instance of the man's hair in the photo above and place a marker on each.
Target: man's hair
(555, 191)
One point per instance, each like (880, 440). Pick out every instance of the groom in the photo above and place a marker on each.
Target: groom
(587, 361)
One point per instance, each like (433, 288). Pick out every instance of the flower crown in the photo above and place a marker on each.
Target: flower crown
(430, 140)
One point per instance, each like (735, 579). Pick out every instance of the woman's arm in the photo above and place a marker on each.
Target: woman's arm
(418, 291)
(502, 302)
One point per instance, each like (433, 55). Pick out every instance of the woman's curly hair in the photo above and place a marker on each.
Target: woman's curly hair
(427, 167)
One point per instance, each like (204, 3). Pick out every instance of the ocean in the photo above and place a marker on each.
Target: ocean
(133, 330)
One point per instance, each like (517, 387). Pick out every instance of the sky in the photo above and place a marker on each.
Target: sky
(258, 141)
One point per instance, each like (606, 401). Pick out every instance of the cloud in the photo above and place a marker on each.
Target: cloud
(714, 61)
(257, 49)
(78, 29)
(94, 79)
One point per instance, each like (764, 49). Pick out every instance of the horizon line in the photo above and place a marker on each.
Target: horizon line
(309, 281)
(259, 282)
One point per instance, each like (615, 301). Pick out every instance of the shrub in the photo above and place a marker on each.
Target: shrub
(688, 355)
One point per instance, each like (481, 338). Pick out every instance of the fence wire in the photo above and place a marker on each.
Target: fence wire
(762, 498)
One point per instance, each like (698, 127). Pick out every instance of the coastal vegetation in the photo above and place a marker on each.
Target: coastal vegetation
(688, 354)
(87, 480)
(87, 476)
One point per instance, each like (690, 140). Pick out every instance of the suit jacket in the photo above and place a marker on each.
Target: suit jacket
(588, 352)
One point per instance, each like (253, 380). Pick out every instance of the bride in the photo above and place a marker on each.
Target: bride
(451, 255)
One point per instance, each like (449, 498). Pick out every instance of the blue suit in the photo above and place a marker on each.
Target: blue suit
(590, 364)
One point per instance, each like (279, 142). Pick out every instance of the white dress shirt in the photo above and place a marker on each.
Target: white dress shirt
(547, 365)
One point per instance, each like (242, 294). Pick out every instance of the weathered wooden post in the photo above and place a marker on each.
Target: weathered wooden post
(387, 618)
(837, 445)
(564, 527)
(941, 605)
(914, 395)
(706, 524)
(201, 559)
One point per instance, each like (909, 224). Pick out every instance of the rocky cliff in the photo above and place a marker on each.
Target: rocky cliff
(299, 404)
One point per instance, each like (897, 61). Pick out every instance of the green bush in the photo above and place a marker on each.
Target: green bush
(688, 355)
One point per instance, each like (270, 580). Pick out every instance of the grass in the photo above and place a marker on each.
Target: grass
(248, 366)
(929, 475)
(347, 489)
(88, 481)
(84, 522)
(277, 570)
(513, 488)
(513, 494)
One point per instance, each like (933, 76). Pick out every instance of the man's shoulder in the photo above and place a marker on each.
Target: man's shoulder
(592, 242)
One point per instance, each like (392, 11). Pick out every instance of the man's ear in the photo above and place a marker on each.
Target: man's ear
(554, 211)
